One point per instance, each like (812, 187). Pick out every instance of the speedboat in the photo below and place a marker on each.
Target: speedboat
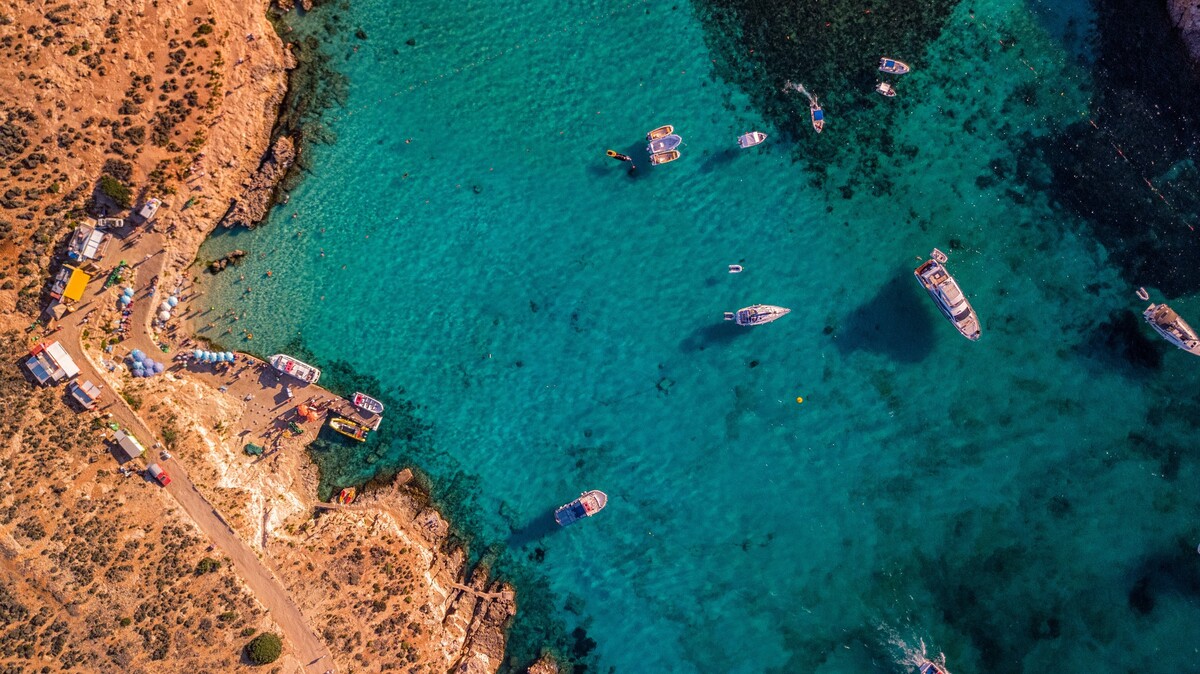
(886, 89)
(931, 667)
(299, 370)
(893, 66)
(589, 503)
(664, 144)
(664, 130)
(365, 402)
(818, 115)
(350, 429)
(757, 314)
(751, 139)
(1173, 328)
(664, 157)
(945, 292)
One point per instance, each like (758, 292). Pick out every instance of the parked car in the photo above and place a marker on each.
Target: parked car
(159, 474)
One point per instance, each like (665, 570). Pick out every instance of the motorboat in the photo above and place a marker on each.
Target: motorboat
(886, 89)
(757, 314)
(946, 294)
(892, 66)
(664, 144)
(664, 130)
(366, 403)
(589, 503)
(664, 157)
(1172, 328)
(298, 369)
(931, 667)
(350, 429)
(751, 139)
(817, 114)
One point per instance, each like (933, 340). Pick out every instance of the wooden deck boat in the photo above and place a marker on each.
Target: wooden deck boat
(664, 157)
(664, 130)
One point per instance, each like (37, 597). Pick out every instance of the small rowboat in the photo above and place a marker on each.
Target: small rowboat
(886, 89)
(893, 66)
(664, 157)
(751, 139)
(366, 403)
(818, 115)
(664, 144)
(350, 429)
(661, 131)
(346, 496)
(589, 503)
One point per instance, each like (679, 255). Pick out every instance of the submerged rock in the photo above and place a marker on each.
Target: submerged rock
(219, 265)
(1185, 14)
(258, 191)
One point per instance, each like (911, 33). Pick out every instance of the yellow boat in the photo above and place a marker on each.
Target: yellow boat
(346, 496)
(350, 429)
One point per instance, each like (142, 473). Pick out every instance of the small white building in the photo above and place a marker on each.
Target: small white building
(87, 243)
(86, 394)
(129, 446)
(50, 364)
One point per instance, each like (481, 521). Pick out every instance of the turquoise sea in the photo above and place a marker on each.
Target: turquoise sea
(541, 322)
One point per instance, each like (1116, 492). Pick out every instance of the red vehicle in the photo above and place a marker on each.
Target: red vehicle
(159, 474)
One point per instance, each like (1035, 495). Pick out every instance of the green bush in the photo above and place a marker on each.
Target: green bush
(264, 649)
(116, 190)
(207, 565)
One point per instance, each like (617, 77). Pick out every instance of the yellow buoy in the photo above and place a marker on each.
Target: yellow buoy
(799, 399)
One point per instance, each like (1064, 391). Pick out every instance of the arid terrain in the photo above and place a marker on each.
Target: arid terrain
(103, 106)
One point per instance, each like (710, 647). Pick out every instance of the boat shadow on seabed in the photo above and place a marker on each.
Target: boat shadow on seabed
(536, 529)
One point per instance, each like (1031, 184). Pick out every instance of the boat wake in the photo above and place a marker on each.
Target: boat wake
(907, 654)
(792, 86)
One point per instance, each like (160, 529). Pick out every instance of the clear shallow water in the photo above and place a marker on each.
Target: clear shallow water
(1019, 503)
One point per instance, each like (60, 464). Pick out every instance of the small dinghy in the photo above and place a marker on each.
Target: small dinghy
(664, 157)
(751, 139)
(664, 130)
(664, 144)
(735, 269)
(886, 89)
(893, 66)
(366, 403)
(817, 114)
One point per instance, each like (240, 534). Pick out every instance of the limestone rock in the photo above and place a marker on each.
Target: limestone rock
(1185, 14)
(259, 189)
(544, 665)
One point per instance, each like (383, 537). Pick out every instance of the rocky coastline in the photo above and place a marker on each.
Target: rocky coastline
(1185, 14)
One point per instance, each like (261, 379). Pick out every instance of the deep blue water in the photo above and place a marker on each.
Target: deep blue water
(540, 322)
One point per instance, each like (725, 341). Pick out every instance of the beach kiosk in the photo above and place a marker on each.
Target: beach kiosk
(86, 394)
(50, 364)
(69, 284)
(87, 243)
(129, 446)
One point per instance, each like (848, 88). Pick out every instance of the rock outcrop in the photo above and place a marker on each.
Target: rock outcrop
(258, 191)
(1185, 14)
(219, 265)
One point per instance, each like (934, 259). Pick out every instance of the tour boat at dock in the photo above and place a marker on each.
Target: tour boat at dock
(350, 429)
(589, 503)
(945, 292)
(751, 139)
(366, 403)
(298, 369)
(1173, 328)
(758, 314)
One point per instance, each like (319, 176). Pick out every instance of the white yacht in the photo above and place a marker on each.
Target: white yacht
(1173, 328)
(945, 292)
(757, 314)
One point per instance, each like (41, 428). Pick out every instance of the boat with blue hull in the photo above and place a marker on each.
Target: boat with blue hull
(589, 503)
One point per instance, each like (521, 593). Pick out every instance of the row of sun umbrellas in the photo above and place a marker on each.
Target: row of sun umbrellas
(142, 365)
(126, 297)
(214, 356)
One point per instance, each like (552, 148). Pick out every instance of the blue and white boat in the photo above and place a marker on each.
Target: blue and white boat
(589, 503)
(893, 66)
(664, 144)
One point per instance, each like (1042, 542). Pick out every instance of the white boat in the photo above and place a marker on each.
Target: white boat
(945, 292)
(589, 503)
(751, 139)
(886, 89)
(931, 667)
(298, 369)
(366, 403)
(149, 209)
(757, 314)
(1173, 328)
(893, 66)
(664, 144)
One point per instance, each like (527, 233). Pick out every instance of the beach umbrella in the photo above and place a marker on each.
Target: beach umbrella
(164, 315)
(137, 366)
(173, 301)
(229, 356)
(125, 301)
(136, 354)
(158, 367)
(197, 354)
(165, 306)
(128, 292)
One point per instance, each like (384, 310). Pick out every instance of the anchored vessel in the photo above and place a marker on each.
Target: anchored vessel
(365, 402)
(886, 89)
(664, 144)
(1173, 328)
(751, 139)
(664, 130)
(945, 292)
(931, 667)
(350, 429)
(589, 503)
(757, 314)
(893, 66)
(817, 114)
(664, 157)
(298, 369)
